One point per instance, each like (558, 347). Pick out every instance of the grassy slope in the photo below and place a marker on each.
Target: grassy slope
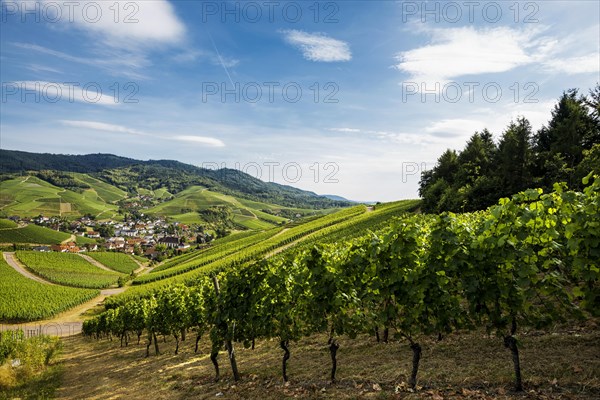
(103, 190)
(195, 198)
(81, 240)
(460, 366)
(30, 196)
(32, 234)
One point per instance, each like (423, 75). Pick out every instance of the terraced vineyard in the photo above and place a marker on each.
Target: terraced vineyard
(120, 262)
(31, 196)
(379, 218)
(32, 234)
(67, 269)
(194, 254)
(171, 262)
(254, 246)
(23, 299)
(191, 271)
(205, 257)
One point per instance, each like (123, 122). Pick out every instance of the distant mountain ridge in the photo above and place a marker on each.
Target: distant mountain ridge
(127, 174)
(337, 198)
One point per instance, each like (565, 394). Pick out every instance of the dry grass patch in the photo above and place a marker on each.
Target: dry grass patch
(560, 365)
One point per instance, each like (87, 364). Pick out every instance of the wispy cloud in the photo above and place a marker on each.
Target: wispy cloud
(101, 126)
(123, 33)
(389, 136)
(42, 68)
(318, 46)
(221, 62)
(454, 127)
(113, 61)
(575, 65)
(52, 92)
(345, 130)
(191, 55)
(105, 127)
(212, 142)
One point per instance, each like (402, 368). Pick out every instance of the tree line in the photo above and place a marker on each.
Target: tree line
(564, 150)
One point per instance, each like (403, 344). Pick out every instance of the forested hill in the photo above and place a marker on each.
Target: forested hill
(129, 174)
(566, 149)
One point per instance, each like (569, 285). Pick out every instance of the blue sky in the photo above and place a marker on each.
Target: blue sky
(356, 97)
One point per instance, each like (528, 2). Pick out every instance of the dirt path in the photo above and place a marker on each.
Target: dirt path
(94, 262)
(20, 268)
(280, 232)
(287, 246)
(72, 238)
(141, 268)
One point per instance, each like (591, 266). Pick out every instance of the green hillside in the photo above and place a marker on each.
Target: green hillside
(29, 196)
(32, 234)
(185, 205)
(103, 190)
(7, 224)
(172, 176)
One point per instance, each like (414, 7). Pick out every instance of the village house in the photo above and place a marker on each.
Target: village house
(91, 247)
(129, 250)
(151, 252)
(134, 241)
(70, 247)
(43, 249)
(171, 242)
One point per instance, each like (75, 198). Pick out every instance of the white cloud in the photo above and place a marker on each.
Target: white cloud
(212, 142)
(53, 92)
(101, 126)
(454, 127)
(318, 46)
(121, 23)
(464, 51)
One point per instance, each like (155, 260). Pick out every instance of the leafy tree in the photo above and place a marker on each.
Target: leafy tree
(437, 182)
(515, 157)
(106, 230)
(572, 129)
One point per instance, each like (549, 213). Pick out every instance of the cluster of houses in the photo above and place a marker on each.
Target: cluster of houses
(140, 237)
